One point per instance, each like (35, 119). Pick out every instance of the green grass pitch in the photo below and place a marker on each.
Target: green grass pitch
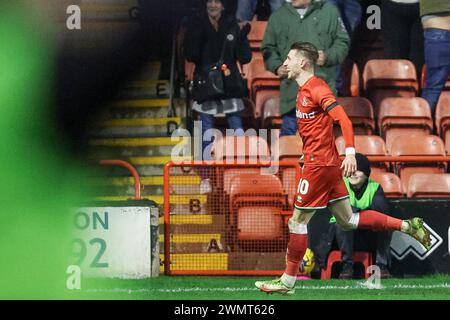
(242, 288)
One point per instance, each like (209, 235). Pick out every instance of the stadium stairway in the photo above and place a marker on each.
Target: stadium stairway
(136, 128)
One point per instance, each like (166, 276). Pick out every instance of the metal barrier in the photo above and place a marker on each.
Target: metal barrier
(133, 171)
(239, 228)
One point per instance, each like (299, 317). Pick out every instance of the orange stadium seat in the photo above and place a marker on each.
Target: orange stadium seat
(267, 104)
(259, 78)
(369, 146)
(259, 223)
(256, 34)
(422, 185)
(392, 186)
(404, 116)
(384, 78)
(256, 202)
(241, 147)
(360, 112)
(417, 146)
(290, 147)
(350, 79)
(443, 114)
(229, 174)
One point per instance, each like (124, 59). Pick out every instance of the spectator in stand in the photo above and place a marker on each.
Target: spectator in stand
(246, 8)
(402, 31)
(436, 24)
(316, 22)
(206, 35)
(351, 13)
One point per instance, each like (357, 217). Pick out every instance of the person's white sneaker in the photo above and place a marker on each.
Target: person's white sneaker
(205, 186)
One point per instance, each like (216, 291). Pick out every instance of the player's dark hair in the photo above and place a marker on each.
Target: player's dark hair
(308, 50)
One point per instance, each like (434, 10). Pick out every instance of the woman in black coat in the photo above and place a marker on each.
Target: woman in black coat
(207, 35)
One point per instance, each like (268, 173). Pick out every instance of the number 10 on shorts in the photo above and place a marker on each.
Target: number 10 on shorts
(303, 186)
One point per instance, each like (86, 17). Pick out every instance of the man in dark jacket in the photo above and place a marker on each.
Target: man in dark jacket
(313, 21)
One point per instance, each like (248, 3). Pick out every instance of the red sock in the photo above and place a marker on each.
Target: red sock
(377, 221)
(296, 249)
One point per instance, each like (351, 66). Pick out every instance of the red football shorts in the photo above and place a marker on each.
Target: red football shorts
(319, 186)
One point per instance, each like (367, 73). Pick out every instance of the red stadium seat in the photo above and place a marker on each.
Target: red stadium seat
(256, 199)
(360, 112)
(229, 174)
(267, 104)
(256, 34)
(369, 146)
(404, 116)
(443, 114)
(350, 79)
(417, 146)
(384, 78)
(336, 256)
(290, 147)
(390, 183)
(259, 223)
(423, 185)
(259, 78)
(241, 147)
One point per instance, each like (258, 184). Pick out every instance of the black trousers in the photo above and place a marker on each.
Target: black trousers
(402, 32)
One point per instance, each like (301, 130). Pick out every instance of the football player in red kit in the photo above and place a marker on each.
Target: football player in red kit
(321, 184)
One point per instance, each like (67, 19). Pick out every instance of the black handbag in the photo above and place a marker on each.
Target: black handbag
(209, 83)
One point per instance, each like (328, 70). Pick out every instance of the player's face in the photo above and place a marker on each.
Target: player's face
(357, 179)
(293, 64)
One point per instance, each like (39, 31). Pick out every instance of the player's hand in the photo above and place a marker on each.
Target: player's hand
(349, 165)
(322, 58)
(282, 71)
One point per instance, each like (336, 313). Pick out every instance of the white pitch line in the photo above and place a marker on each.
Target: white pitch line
(228, 289)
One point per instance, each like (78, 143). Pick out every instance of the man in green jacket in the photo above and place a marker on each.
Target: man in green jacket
(313, 21)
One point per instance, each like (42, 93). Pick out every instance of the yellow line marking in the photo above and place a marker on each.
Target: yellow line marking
(192, 238)
(137, 142)
(138, 122)
(197, 261)
(141, 103)
(189, 219)
(151, 84)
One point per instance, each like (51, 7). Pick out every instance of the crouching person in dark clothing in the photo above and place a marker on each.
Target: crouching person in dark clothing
(365, 194)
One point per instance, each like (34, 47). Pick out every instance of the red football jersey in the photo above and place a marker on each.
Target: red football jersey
(315, 125)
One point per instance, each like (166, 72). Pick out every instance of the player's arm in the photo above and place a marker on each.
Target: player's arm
(328, 102)
(349, 163)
